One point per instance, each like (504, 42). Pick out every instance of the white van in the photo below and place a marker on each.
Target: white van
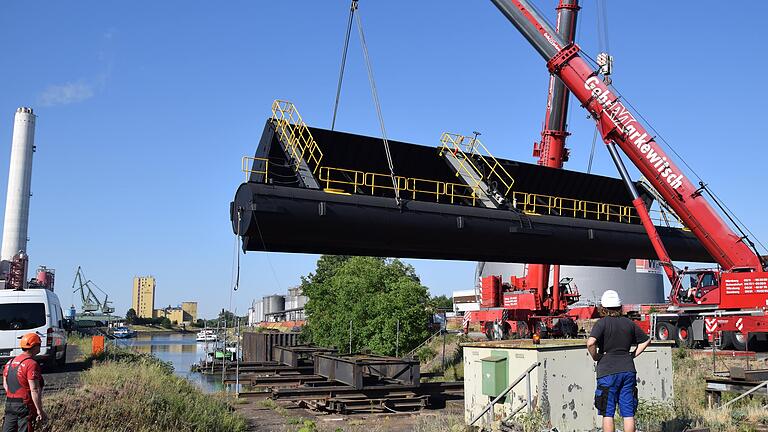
(33, 310)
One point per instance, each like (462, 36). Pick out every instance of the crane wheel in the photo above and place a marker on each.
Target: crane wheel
(738, 341)
(488, 330)
(665, 331)
(724, 341)
(506, 331)
(684, 334)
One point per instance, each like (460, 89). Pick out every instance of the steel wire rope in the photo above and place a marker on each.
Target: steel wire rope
(592, 152)
(602, 26)
(344, 51)
(377, 104)
(715, 197)
(264, 245)
(602, 46)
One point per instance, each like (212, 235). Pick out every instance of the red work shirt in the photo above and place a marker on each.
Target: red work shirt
(27, 369)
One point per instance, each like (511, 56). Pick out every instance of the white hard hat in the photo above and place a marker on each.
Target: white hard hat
(610, 299)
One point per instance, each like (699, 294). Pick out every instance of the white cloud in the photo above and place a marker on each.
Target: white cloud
(63, 94)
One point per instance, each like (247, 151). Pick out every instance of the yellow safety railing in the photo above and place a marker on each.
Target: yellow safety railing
(295, 135)
(354, 181)
(254, 165)
(470, 153)
(539, 204)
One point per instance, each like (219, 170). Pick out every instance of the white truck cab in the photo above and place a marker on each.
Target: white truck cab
(33, 310)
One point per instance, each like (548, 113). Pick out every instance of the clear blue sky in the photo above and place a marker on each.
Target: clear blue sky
(145, 109)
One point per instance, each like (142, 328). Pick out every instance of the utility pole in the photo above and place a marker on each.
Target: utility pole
(350, 336)
(397, 340)
(444, 336)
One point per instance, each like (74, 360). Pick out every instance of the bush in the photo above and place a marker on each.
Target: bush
(139, 393)
(652, 413)
(533, 421)
(425, 354)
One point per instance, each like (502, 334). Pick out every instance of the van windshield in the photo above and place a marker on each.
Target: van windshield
(21, 316)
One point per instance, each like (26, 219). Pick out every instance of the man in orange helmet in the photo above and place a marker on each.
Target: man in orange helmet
(23, 383)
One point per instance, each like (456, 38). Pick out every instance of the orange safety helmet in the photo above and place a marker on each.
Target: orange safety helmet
(29, 340)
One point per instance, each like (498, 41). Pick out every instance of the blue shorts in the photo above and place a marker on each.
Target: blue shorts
(621, 389)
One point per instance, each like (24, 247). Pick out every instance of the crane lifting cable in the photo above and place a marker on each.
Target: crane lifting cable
(604, 61)
(354, 13)
(352, 9)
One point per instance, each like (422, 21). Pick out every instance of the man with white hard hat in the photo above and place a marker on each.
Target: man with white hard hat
(609, 345)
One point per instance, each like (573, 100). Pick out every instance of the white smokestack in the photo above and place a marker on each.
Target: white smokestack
(19, 184)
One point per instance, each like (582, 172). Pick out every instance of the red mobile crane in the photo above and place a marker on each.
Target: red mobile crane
(724, 306)
(525, 304)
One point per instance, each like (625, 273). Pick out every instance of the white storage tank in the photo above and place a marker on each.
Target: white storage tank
(256, 313)
(641, 282)
(273, 303)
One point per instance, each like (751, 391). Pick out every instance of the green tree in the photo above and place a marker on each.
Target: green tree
(374, 294)
(441, 302)
(166, 322)
(130, 316)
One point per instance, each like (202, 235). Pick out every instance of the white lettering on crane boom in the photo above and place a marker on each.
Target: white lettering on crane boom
(625, 121)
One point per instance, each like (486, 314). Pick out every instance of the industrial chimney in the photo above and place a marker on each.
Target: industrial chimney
(19, 183)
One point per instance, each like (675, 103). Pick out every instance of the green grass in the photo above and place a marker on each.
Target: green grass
(128, 391)
(690, 402)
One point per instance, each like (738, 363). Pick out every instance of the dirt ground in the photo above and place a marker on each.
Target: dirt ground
(288, 417)
(62, 378)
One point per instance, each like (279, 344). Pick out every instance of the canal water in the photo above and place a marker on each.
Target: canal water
(181, 350)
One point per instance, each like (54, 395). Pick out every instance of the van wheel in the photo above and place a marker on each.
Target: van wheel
(60, 363)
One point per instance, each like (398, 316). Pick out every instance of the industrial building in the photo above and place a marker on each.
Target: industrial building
(143, 299)
(277, 308)
(184, 314)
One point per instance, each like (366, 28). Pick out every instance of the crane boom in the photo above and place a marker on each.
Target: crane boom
(551, 150)
(617, 124)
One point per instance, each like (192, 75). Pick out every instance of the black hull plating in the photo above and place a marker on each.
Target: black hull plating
(285, 219)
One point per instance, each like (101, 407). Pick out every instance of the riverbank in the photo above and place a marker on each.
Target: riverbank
(161, 329)
(125, 390)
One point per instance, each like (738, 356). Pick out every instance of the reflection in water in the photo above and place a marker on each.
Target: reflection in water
(181, 350)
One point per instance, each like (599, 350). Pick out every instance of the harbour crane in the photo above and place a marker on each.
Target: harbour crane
(91, 304)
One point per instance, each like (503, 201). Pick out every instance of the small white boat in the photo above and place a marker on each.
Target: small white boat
(123, 333)
(207, 335)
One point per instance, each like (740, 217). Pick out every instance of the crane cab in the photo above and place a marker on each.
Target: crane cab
(697, 288)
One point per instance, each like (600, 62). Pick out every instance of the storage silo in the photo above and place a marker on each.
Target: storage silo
(271, 304)
(256, 313)
(641, 282)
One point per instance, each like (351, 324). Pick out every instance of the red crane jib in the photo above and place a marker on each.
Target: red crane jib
(617, 123)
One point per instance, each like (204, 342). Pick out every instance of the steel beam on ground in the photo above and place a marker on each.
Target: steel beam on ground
(354, 369)
(294, 355)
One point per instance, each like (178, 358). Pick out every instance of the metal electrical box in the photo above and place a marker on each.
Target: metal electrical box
(494, 374)
(560, 386)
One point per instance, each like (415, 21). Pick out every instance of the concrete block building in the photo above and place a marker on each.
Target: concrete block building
(143, 298)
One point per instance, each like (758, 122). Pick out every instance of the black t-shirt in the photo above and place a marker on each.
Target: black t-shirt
(615, 335)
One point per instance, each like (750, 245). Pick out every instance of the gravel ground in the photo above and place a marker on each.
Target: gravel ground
(67, 377)
(287, 417)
